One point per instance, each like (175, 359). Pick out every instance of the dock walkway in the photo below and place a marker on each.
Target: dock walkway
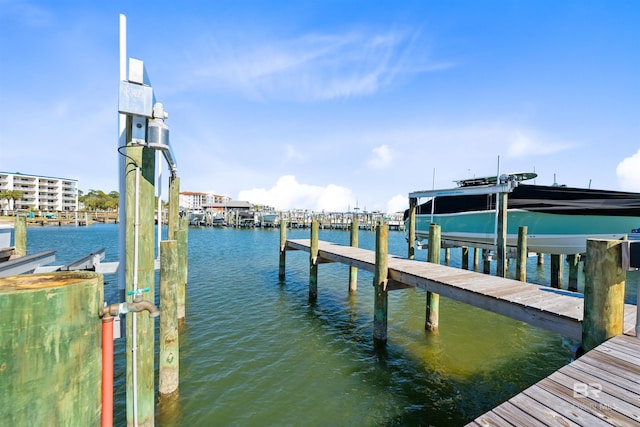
(601, 388)
(552, 309)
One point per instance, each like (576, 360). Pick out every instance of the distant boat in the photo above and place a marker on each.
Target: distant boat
(197, 216)
(559, 219)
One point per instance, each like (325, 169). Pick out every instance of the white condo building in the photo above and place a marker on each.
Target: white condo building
(193, 200)
(42, 193)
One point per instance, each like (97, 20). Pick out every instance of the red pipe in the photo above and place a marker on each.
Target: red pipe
(107, 371)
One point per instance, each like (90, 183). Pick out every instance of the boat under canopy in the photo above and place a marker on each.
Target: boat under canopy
(559, 219)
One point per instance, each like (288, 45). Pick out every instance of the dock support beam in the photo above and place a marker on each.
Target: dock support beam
(20, 236)
(380, 287)
(169, 358)
(283, 250)
(313, 262)
(411, 252)
(353, 271)
(603, 293)
(433, 299)
(521, 261)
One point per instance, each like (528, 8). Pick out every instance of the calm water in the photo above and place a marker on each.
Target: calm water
(255, 352)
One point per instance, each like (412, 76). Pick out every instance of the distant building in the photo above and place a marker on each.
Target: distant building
(44, 193)
(193, 200)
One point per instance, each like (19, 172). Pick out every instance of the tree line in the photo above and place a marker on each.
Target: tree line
(93, 200)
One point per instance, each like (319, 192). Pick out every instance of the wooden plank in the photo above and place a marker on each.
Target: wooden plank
(539, 411)
(605, 400)
(564, 408)
(491, 419)
(519, 415)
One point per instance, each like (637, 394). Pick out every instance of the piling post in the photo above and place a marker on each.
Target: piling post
(411, 251)
(556, 271)
(283, 251)
(313, 262)
(603, 293)
(169, 358)
(20, 236)
(501, 250)
(573, 260)
(183, 271)
(353, 271)
(486, 263)
(174, 208)
(380, 286)
(140, 280)
(475, 258)
(540, 258)
(433, 299)
(465, 257)
(521, 257)
(50, 349)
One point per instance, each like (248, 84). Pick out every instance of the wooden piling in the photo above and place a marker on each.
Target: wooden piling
(433, 299)
(486, 263)
(465, 257)
(183, 270)
(173, 220)
(475, 258)
(521, 256)
(411, 241)
(20, 236)
(353, 271)
(501, 249)
(380, 287)
(556, 271)
(169, 358)
(313, 262)
(283, 251)
(603, 293)
(540, 258)
(50, 349)
(447, 255)
(573, 260)
(144, 179)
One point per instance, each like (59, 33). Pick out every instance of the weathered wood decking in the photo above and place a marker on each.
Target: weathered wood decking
(556, 310)
(601, 388)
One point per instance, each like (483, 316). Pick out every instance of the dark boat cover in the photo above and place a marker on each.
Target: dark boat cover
(545, 199)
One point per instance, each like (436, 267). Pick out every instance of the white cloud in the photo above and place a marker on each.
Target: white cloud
(628, 172)
(288, 193)
(523, 144)
(381, 157)
(398, 203)
(313, 66)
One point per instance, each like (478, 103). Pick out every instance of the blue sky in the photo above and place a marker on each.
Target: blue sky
(325, 104)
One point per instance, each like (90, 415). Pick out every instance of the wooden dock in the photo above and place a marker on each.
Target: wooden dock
(553, 309)
(600, 388)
